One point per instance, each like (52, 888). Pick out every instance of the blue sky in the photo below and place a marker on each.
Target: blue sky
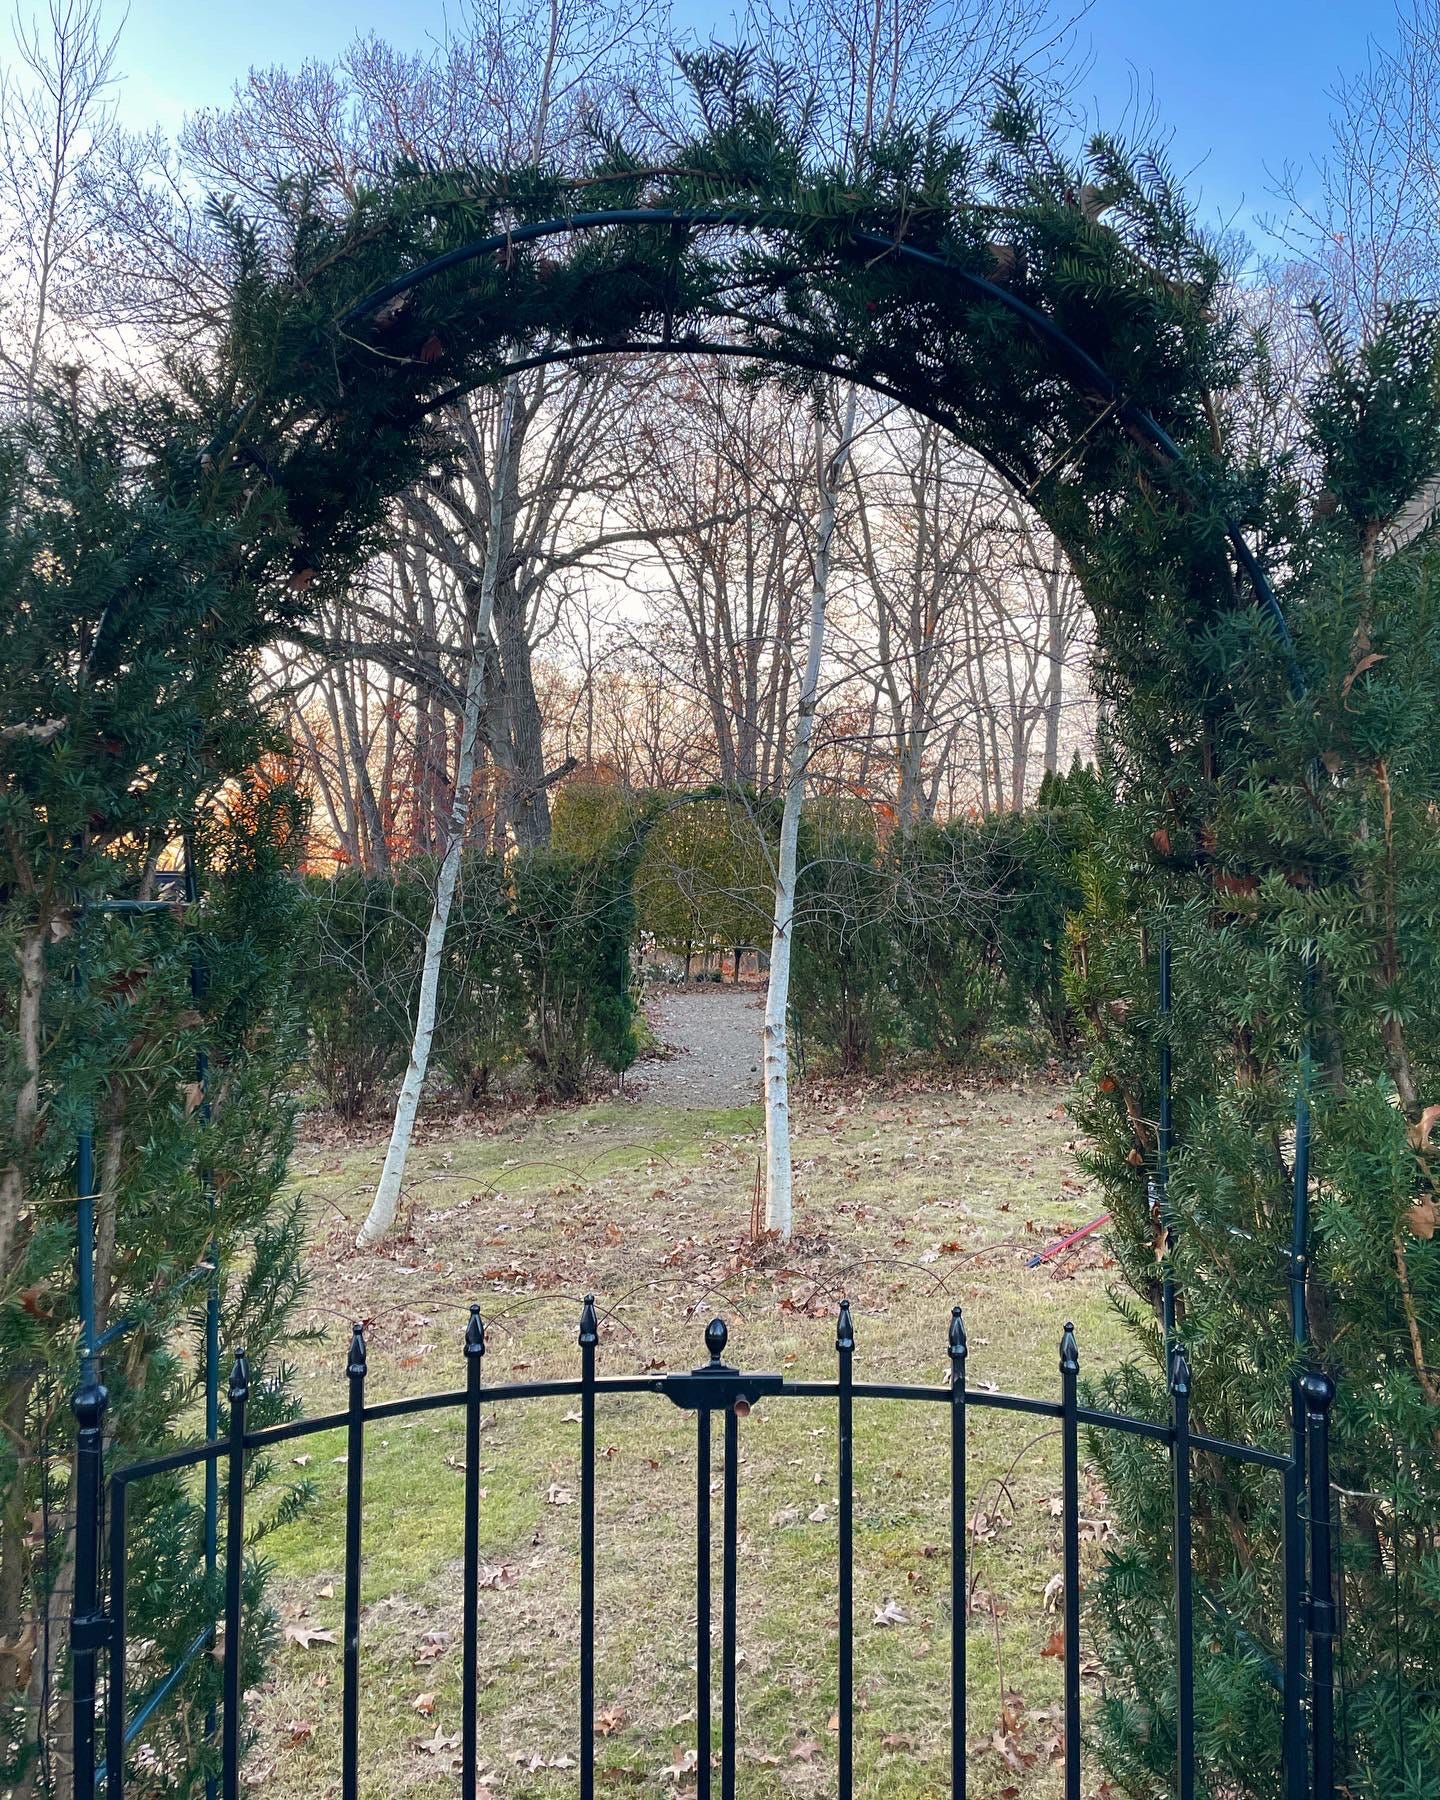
(1242, 85)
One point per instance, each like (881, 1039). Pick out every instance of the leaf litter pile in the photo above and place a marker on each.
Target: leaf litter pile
(908, 1200)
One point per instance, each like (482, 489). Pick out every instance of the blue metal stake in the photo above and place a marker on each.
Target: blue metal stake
(1163, 1138)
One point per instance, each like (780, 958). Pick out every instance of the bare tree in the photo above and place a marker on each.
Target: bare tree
(57, 113)
(722, 500)
(1365, 218)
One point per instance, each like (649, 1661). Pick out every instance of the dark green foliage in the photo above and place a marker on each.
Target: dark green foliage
(842, 1003)
(365, 939)
(705, 881)
(930, 941)
(536, 969)
(364, 950)
(126, 684)
(482, 1012)
(573, 922)
(1318, 826)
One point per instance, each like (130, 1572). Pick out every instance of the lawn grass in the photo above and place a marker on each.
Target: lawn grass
(907, 1202)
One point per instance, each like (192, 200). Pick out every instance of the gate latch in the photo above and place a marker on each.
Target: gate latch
(716, 1386)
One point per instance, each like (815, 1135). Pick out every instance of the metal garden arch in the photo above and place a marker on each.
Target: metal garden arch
(98, 1624)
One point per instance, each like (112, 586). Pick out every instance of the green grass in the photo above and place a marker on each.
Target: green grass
(907, 1202)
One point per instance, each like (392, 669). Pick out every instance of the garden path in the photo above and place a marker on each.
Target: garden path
(711, 1040)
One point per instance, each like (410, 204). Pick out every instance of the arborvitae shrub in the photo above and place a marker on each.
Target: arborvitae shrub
(364, 946)
(842, 970)
(572, 921)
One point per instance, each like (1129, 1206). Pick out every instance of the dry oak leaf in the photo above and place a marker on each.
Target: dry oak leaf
(609, 1721)
(1419, 1133)
(1424, 1217)
(424, 1704)
(1365, 662)
(890, 1614)
(306, 1635)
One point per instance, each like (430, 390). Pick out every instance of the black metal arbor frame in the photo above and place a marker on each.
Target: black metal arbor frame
(1305, 1676)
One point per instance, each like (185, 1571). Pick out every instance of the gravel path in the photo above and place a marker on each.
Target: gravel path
(713, 1039)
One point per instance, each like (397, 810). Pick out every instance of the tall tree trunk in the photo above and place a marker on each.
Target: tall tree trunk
(387, 1194)
(779, 1189)
(1055, 649)
(529, 806)
(370, 832)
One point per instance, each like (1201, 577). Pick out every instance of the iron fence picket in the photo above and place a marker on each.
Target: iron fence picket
(729, 1603)
(1182, 1554)
(234, 1590)
(589, 1338)
(1319, 1393)
(845, 1707)
(702, 1603)
(959, 1539)
(1295, 1748)
(89, 1407)
(1070, 1550)
(474, 1351)
(355, 1369)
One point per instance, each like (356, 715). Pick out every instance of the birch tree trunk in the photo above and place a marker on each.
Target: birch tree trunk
(387, 1194)
(779, 1196)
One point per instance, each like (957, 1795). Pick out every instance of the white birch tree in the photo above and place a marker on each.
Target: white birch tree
(779, 1180)
(387, 1194)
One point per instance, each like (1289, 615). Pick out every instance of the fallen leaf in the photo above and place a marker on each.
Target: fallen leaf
(1365, 662)
(306, 1635)
(424, 1704)
(890, 1614)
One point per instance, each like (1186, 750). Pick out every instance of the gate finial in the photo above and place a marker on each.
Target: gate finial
(959, 1344)
(589, 1323)
(844, 1328)
(475, 1333)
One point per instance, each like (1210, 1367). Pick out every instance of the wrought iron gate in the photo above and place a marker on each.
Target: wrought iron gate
(715, 1387)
